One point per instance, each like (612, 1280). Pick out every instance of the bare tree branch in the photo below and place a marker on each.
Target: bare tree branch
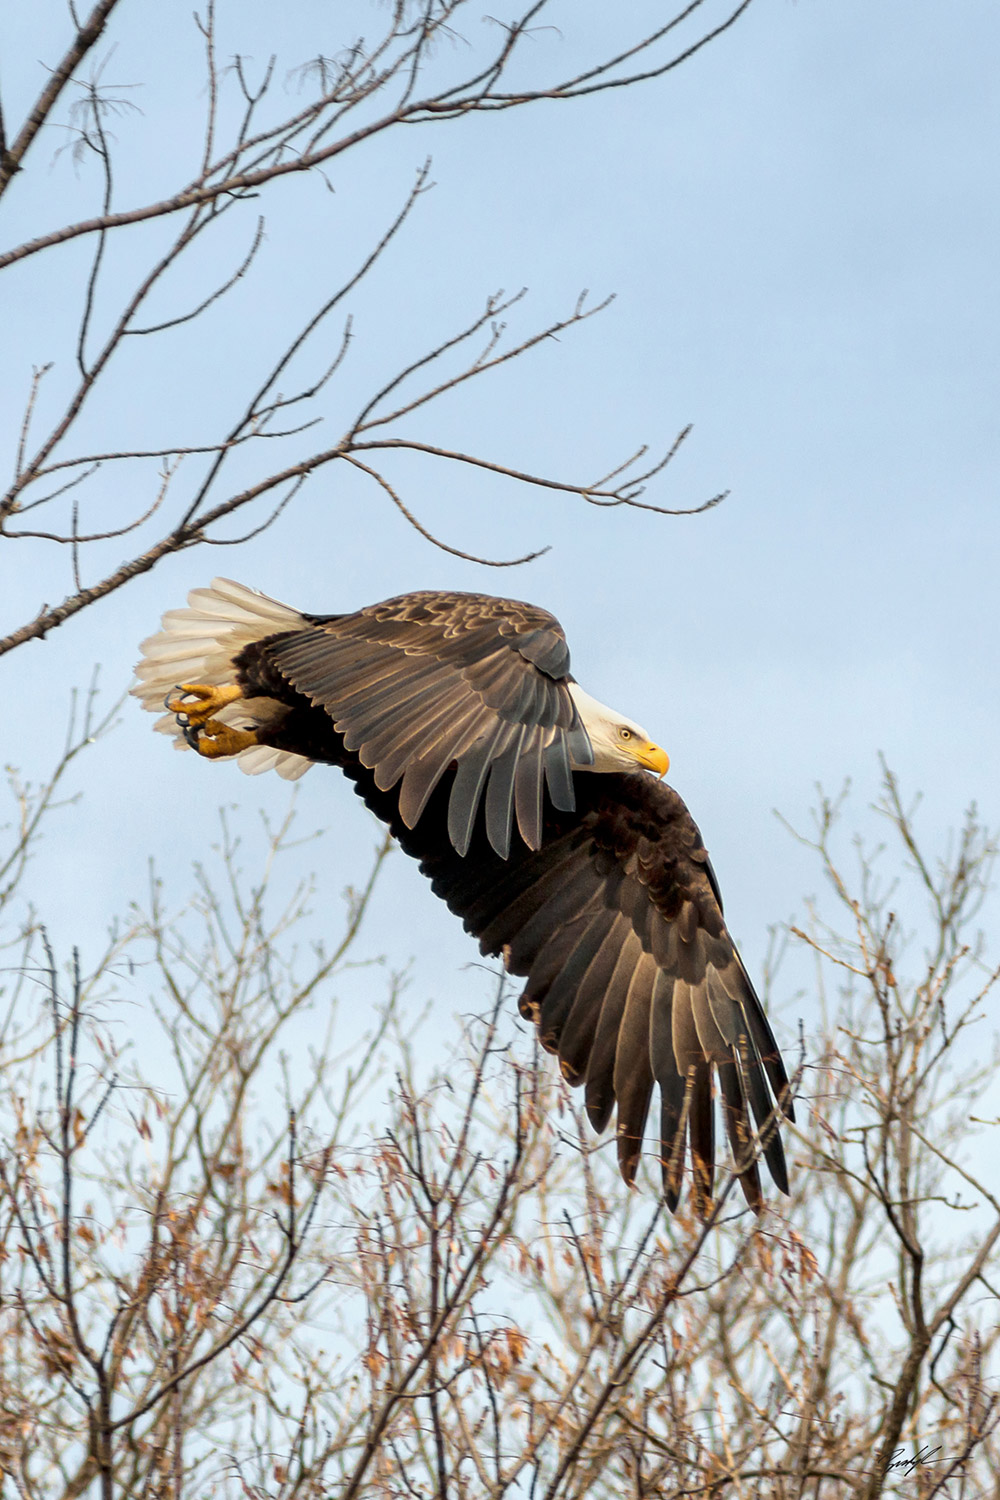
(88, 35)
(416, 69)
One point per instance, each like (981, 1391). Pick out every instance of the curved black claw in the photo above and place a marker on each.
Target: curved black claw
(178, 713)
(184, 724)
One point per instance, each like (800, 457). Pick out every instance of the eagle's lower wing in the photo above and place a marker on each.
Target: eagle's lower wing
(632, 976)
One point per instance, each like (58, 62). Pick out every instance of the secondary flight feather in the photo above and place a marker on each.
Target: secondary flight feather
(538, 816)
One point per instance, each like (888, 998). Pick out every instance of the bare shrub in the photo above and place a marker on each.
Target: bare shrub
(205, 1292)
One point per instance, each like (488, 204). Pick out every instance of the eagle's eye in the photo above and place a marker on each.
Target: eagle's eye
(624, 734)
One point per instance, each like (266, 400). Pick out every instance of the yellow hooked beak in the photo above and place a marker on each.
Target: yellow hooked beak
(653, 758)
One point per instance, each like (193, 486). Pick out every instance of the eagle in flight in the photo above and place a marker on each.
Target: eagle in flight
(538, 814)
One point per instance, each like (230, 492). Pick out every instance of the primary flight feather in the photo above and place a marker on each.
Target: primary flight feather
(538, 816)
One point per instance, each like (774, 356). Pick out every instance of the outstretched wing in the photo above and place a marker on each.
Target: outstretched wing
(429, 679)
(632, 976)
(411, 685)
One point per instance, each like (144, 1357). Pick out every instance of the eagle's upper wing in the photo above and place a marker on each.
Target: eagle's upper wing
(412, 685)
(632, 976)
(426, 679)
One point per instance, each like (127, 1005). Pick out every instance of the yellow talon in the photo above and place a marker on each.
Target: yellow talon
(195, 704)
(216, 739)
(209, 701)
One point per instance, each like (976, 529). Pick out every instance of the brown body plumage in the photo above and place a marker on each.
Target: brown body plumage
(457, 720)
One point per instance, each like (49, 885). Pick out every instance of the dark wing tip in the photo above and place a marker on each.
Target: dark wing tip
(599, 1104)
(559, 776)
(774, 1155)
(629, 1154)
(671, 1189)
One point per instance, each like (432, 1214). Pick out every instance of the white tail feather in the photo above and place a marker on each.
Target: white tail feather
(198, 644)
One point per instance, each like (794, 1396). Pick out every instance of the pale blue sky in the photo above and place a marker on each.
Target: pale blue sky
(801, 229)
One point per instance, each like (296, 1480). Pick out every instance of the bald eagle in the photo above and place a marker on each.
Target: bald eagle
(538, 814)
